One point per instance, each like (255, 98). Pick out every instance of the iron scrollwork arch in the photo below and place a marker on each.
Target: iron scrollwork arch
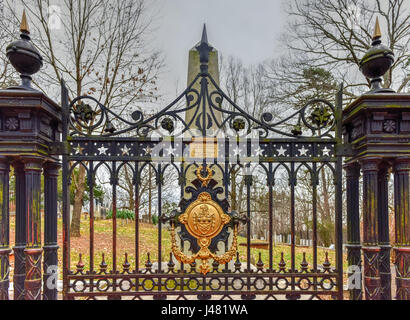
(317, 116)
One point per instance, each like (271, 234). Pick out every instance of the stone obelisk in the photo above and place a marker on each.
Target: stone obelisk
(204, 57)
(202, 147)
(194, 68)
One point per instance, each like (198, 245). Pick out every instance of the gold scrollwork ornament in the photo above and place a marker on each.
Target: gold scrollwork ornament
(204, 180)
(204, 219)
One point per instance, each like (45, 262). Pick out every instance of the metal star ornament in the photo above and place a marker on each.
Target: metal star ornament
(281, 151)
(102, 150)
(170, 151)
(79, 149)
(258, 152)
(326, 151)
(147, 150)
(303, 151)
(236, 151)
(125, 151)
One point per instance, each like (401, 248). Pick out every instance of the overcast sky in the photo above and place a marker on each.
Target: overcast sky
(247, 29)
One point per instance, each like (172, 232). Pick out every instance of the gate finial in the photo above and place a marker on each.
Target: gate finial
(377, 33)
(204, 49)
(24, 56)
(376, 62)
(204, 38)
(24, 25)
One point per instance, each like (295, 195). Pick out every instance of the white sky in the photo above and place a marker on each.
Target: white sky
(246, 29)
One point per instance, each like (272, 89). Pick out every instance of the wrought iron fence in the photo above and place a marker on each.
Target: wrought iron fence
(307, 139)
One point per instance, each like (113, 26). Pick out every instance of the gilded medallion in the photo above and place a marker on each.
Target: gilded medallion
(204, 219)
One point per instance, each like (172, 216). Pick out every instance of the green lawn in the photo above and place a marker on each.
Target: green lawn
(148, 243)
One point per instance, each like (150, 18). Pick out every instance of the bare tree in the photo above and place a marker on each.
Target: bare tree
(323, 44)
(333, 36)
(99, 48)
(148, 188)
(7, 73)
(246, 87)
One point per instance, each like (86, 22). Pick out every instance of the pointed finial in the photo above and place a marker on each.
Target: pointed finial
(376, 62)
(24, 25)
(24, 56)
(237, 263)
(204, 38)
(377, 33)
(204, 49)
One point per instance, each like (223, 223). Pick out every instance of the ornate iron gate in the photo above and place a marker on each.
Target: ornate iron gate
(308, 140)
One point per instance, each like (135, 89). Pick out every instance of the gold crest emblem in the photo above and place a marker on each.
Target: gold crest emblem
(204, 219)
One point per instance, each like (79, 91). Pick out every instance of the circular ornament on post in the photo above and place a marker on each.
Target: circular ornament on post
(376, 62)
(24, 57)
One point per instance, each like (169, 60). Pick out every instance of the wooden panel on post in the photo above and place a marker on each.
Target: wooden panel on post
(353, 245)
(371, 251)
(4, 229)
(20, 232)
(33, 251)
(50, 266)
(402, 219)
(383, 229)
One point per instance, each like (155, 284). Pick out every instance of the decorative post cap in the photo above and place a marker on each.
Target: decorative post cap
(377, 33)
(24, 25)
(204, 38)
(24, 57)
(204, 49)
(376, 62)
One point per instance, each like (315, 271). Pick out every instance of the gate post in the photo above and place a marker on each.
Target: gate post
(354, 256)
(29, 136)
(50, 231)
(377, 126)
(370, 249)
(33, 251)
(402, 219)
(20, 232)
(4, 229)
(383, 229)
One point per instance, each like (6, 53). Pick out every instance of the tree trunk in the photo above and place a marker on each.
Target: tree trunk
(129, 189)
(326, 216)
(131, 203)
(78, 203)
(149, 195)
(326, 205)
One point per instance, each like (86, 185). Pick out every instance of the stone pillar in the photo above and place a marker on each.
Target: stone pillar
(20, 232)
(194, 68)
(354, 256)
(33, 251)
(29, 132)
(50, 247)
(383, 230)
(201, 146)
(377, 127)
(371, 251)
(402, 230)
(4, 229)
(204, 121)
